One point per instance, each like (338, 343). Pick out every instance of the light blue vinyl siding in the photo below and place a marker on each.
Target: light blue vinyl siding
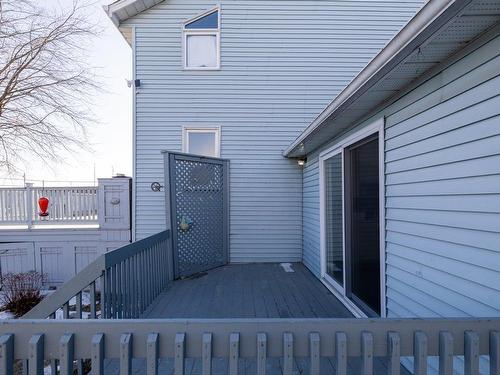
(281, 63)
(443, 192)
(311, 225)
(442, 176)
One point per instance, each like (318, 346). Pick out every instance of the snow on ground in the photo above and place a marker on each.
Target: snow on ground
(59, 312)
(6, 315)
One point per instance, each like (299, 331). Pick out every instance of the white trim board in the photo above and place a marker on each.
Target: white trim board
(201, 129)
(134, 136)
(338, 148)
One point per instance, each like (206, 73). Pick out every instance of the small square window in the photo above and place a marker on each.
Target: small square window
(201, 141)
(201, 42)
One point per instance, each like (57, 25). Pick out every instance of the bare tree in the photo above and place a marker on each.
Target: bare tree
(46, 86)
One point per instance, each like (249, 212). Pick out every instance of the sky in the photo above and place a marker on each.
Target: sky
(110, 140)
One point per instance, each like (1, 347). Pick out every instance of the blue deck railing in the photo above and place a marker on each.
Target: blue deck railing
(119, 284)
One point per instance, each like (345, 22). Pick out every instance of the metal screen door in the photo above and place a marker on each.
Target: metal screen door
(199, 215)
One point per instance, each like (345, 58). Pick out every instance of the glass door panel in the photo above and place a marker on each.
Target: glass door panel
(334, 218)
(362, 221)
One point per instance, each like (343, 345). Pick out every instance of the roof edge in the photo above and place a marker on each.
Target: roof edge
(121, 10)
(433, 16)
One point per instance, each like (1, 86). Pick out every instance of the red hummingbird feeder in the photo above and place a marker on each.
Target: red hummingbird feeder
(43, 204)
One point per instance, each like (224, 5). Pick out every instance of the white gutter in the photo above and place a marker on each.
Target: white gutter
(426, 22)
(112, 8)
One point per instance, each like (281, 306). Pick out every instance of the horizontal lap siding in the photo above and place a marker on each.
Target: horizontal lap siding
(443, 192)
(311, 224)
(281, 63)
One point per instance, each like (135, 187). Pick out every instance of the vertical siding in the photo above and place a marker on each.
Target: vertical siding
(442, 158)
(281, 63)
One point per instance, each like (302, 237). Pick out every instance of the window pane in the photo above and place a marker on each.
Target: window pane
(210, 21)
(202, 143)
(365, 244)
(201, 51)
(334, 229)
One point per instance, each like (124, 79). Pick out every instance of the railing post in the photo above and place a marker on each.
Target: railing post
(152, 354)
(29, 204)
(36, 355)
(420, 353)
(287, 353)
(126, 354)
(7, 354)
(367, 353)
(445, 353)
(394, 353)
(66, 354)
(471, 353)
(494, 353)
(261, 353)
(234, 353)
(97, 354)
(180, 342)
(341, 352)
(206, 356)
(314, 351)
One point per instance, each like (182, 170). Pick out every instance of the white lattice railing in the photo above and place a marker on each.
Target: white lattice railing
(66, 205)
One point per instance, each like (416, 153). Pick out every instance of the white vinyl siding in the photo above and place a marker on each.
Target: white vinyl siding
(281, 64)
(442, 177)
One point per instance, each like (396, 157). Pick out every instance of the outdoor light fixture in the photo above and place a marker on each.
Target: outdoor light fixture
(301, 161)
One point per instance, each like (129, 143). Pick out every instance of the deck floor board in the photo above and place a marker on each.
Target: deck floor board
(260, 290)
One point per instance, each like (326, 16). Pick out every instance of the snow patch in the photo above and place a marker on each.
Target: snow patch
(287, 267)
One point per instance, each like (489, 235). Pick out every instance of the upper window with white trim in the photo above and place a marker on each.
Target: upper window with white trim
(203, 141)
(201, 40)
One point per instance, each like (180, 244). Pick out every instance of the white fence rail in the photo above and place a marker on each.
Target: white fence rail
(66, 205)
(13, 203)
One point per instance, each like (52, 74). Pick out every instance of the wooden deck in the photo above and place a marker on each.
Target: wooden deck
(262, 290)
(249, 291)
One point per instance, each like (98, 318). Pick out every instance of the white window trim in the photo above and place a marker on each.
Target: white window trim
(337, 289)
(207, 32)
(200, 129)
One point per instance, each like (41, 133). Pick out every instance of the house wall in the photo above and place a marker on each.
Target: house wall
(281, 63)
(442, 173)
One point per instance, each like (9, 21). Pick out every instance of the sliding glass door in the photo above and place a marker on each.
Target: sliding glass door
(362, 224)
(351, 227)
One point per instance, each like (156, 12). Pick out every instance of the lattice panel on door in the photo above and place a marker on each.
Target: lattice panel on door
(199, 215)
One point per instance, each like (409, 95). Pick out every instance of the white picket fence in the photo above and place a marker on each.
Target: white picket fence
(66, 205)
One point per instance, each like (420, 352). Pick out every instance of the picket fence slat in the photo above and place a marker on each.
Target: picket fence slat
(262, 341)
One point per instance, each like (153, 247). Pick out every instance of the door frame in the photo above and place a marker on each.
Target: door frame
(374, 127)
